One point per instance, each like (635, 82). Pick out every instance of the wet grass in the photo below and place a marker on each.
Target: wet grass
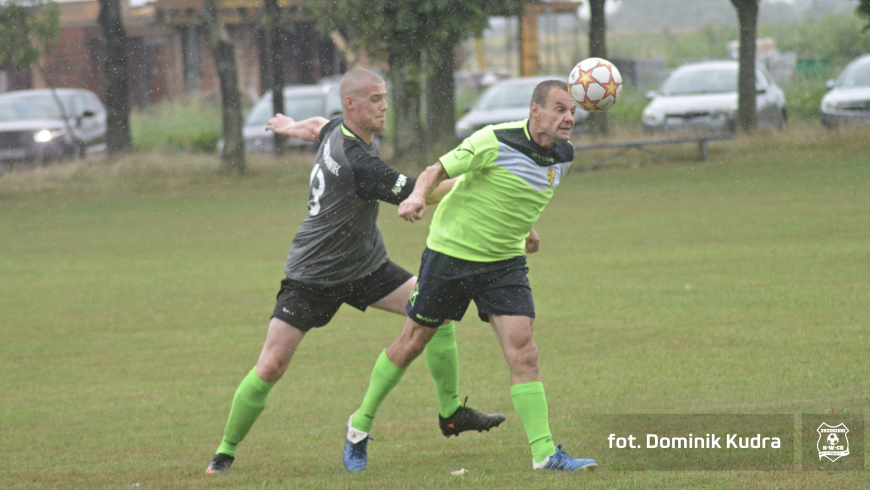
(134, 296)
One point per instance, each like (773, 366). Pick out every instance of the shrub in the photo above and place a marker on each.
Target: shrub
(186, 125)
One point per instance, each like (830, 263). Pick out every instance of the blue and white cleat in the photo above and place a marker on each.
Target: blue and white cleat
(562, 462)
(355, 442)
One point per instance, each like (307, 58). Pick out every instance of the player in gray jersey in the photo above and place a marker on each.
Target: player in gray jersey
(338, 256)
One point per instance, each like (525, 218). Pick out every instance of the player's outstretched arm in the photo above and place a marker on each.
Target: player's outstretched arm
(414, 207)
(306, 130)
(442, 190)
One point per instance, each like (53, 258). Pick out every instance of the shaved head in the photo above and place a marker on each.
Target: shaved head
(354, 82)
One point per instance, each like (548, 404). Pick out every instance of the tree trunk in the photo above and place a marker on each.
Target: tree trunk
(115, 77)
(598, 122)
(747, 15)
(233, 156)
(408, 132)
(276, 70)
(441, 98)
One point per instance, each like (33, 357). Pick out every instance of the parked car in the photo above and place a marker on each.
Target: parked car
(849, 98)
(300, 102)
(507, 100)
(703, 96)
(32, 125)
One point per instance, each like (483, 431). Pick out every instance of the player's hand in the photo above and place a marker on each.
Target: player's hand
(533, 241)
(412, 208)
(280, 123)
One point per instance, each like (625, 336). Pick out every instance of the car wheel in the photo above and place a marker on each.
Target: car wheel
(783, 120)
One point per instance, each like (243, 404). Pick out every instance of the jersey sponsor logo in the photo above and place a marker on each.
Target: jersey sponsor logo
(400, 183)
(331, 164)
(543, 158)
(551, 175)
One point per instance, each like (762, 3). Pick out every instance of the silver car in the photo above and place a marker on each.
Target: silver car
(703, 97)
(849, 98)
(32, 127)
(300, 102)
(505, 101)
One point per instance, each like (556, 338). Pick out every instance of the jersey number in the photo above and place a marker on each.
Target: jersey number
(316, 192)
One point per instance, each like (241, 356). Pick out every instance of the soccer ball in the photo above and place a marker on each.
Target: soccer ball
(595, 84)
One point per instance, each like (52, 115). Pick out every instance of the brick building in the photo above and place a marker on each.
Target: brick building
(168, 56)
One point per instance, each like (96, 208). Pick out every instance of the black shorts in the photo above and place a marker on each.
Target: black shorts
(305, 306)
(447, 285)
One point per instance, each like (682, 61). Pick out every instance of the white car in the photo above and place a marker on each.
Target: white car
(703, 96)
(849, 98)
(32, 125)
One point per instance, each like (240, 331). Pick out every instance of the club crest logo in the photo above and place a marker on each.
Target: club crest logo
(833, 443)
(551, 175)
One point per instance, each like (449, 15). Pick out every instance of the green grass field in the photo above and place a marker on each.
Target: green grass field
(134, 296)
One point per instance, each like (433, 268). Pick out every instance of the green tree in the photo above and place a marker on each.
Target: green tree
(27, 29)
(747, 16)
(115, 77)
(275, 46)
(598, 49)
(448, 23)
(863, 9)
(405, 33)
(233, 154)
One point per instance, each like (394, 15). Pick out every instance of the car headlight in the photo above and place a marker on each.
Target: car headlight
(829, 105)
(46, 135)
(652, 116)
(464, 128)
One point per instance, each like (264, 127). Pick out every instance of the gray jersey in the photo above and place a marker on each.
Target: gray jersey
(339, 241)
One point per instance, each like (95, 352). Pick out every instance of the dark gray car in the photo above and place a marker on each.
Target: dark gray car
(505, 101)
(32, 127)
(849, 98)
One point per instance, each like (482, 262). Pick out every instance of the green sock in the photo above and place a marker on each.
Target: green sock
(531, 405)
(442, 359)
(385, 376)
(248, 404)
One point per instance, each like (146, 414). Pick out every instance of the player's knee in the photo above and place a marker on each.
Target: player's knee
(415, 346)
(526, 353)
(271, 367)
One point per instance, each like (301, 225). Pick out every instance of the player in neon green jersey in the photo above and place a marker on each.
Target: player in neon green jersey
(506, 174)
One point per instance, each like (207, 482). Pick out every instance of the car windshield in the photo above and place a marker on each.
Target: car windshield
(32, 107)
(707, 81)
(299, 108)
(857, 76)
(506, 95)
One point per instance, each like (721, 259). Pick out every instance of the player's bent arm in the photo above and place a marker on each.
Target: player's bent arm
(442, 190)
(414, 207)
(306, 130)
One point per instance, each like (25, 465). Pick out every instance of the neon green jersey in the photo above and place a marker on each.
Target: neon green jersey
(507, 180)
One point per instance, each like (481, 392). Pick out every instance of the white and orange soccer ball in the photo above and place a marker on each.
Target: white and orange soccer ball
(595, 84)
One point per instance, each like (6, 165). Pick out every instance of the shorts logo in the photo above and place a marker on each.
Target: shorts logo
(430, 320)
(833, 443)
(414, 294)
(551, 175)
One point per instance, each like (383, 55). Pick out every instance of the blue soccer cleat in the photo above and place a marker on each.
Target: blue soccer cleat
(562, 462)
(355, 442)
